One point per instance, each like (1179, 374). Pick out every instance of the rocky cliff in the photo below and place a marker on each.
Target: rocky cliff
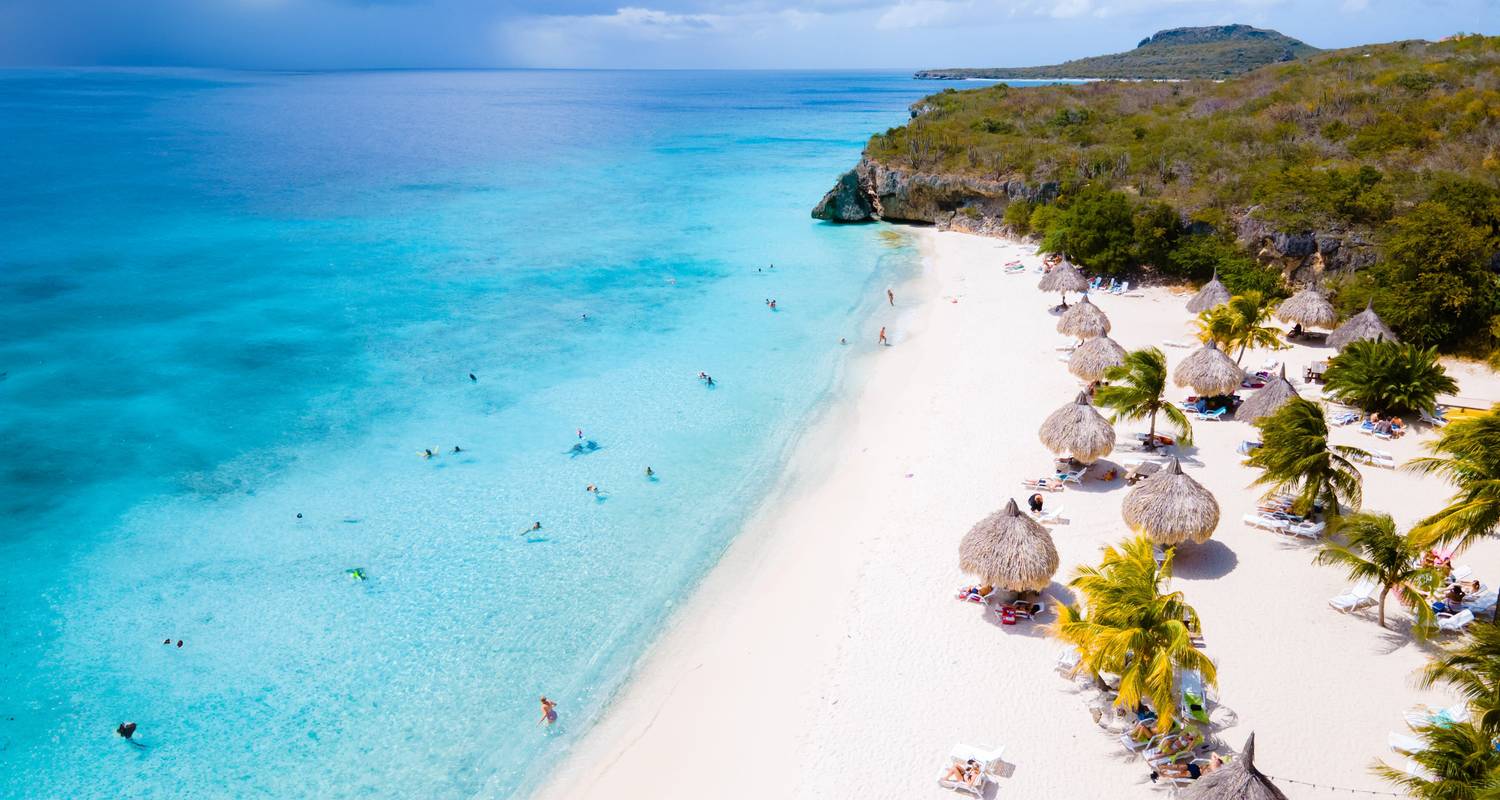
(872, 191)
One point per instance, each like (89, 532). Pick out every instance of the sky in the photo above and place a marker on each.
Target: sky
(822, 34)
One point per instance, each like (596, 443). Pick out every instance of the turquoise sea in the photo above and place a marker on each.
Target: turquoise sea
(238, 306)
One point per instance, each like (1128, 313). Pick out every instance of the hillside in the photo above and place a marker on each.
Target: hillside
(1178, 53)
(1375, 170)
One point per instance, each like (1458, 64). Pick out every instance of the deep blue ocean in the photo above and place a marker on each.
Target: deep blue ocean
(235, 309)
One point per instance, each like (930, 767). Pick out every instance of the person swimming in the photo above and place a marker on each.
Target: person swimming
(457, 449)
(126, 731)
(427, 453)
(472, 378)
(650, 473)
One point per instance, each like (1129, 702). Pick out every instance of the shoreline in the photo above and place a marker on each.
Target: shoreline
(824, 655)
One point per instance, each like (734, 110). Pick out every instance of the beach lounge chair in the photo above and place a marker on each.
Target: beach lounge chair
(1462, 572)
(1073, 476)
(990, 759)
(1194, 700)
(1362, 594)
(1402, 743)
(1345, 418)
(1179, 344)
(1067, 661)
(1378, 458)
(1121, 288)
(1430, 419)
(1048, 516)
(1264, 522)
(1453, 623)
(1424, 715)
(1213, 416)
(1481, 603)
(1306, 529)
(975, 788)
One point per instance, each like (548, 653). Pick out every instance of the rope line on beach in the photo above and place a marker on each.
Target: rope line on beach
(1332, 788)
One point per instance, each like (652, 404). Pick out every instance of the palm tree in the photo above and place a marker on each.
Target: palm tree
(1468, 454)
(1459, 763)
(1376, 552)
(1295, 457)
(1136, 391)
(1473, 669)
(1241, 323)
(1129, 627)
(1387, 377)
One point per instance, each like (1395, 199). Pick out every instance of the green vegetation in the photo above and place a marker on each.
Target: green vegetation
(1128, 627)
(1240, 323)
(1376, 552)
(1213, 52)
(1295, 457)
(1468, 455)
(1137, 390)
(1387, 145)
(1388, 377)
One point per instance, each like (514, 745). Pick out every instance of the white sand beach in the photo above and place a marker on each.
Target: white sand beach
(826, 656)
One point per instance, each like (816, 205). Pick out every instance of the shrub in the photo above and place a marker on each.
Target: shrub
(1388, 377)
(1157, 229)
(1096, 229)
(1017, 217)
(1434, 284)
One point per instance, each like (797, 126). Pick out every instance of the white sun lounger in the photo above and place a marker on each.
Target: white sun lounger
(976, 789)
(1402, 743)
(1048, 516)
(1427, 715)
(1462, 572)
(1362, 594)
(1258, 521)
(990, 759)
(1067, 661)
(1309, 530)
(1453, 623)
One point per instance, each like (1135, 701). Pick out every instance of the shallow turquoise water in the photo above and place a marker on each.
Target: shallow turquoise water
(230, 299)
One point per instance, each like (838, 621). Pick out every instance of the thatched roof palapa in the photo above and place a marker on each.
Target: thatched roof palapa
(1084, 320)
(1238, 779)
(1308, 308)
(1090, 359)
(1009, 550)
(1213, 293)
(1209, 372)
(1266, 399)
(1078, 430)
(1064, 278)
(1364, 325)
(1171, 508)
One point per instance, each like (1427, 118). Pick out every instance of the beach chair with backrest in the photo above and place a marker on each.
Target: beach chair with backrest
(1360, 595)
(1213, 416)
(1453, 623)
(1122, 288)
(1307, 529)
(1402, 743)
(976, 788)
(1434, 421)
(1264, 522)
(1073, 476)
(1194, 699)
(1067, 661)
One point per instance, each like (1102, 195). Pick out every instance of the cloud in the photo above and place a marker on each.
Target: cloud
(598, 40)
(924, 14)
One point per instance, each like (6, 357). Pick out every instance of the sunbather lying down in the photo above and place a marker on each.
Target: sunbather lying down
(966, 773)
(976, 594)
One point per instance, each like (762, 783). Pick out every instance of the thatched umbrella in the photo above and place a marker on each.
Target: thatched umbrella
(1093, 357)
(1364, 325)
(1064, 278)
(1078, 430)
(1009, 550)
(1238, 779)
(1308, 308)
(1266, 399)
(1212, 294)
(1209, 372)
(1171, 508)
(1083, 320)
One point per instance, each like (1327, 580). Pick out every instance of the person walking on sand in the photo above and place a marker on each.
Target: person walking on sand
(891, 296)
(549, 712)
(882, 339)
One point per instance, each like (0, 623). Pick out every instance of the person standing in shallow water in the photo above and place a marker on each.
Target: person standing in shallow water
(891, 296)
(882, 339)
(549, 712)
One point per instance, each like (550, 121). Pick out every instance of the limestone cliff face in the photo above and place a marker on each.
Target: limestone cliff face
(873, 191)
